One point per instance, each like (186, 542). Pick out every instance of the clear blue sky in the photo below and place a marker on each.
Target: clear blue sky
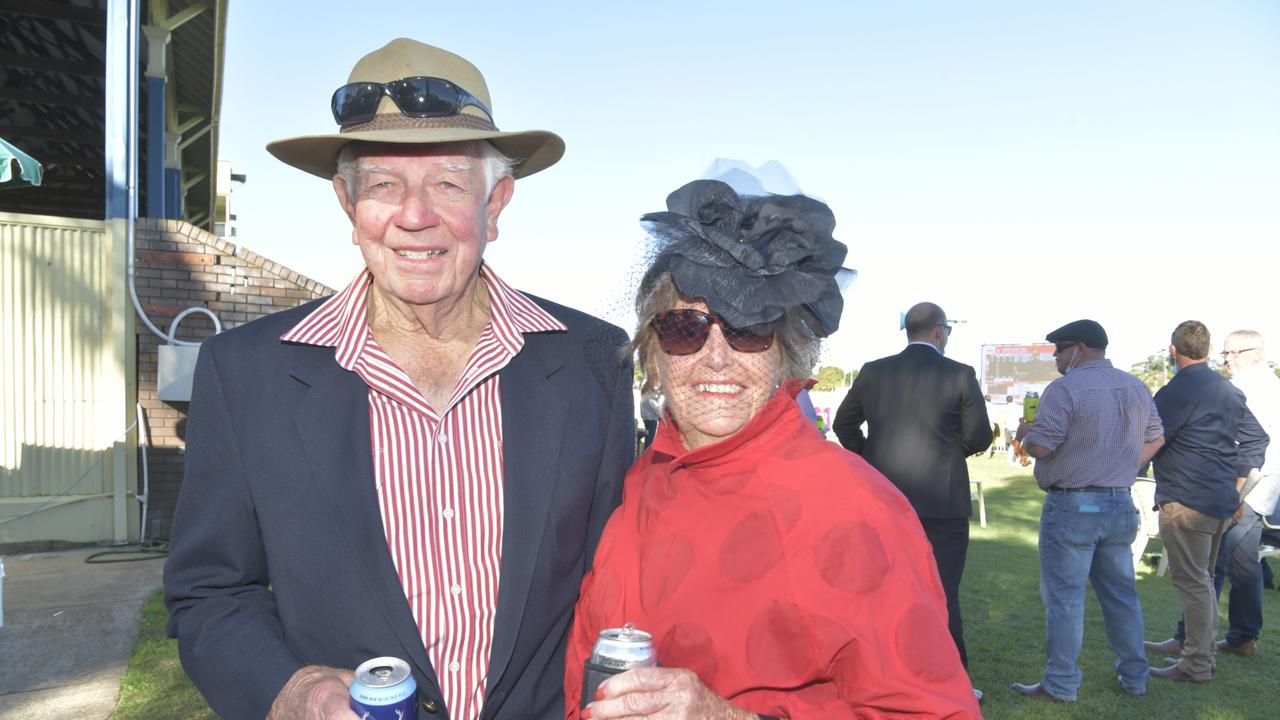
(1022, 164)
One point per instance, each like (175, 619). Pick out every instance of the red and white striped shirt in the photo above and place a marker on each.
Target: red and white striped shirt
(439, 476)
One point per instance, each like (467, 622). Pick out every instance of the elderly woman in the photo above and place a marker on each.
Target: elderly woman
(779, 575)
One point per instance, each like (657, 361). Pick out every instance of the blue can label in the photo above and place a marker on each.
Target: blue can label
(405, 709)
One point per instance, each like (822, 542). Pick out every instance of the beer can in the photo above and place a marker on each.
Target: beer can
(384, 689)
(1030, 404)
(616, 650)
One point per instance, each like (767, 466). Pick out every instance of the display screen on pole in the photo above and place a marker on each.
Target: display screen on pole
(1012, 370)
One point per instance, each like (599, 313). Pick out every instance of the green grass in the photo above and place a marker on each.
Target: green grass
(1004, 631)
(155, 686)
(1004, 627)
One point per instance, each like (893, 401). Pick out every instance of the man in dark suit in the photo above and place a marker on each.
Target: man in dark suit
(925, 414)
(419, 466)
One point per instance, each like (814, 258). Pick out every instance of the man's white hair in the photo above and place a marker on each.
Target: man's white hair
(493, 165)
(1248, 337)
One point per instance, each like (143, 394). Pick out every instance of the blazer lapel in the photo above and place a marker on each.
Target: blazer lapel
(332, 419)
(533, 417)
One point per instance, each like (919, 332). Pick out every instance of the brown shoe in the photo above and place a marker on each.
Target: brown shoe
(1036, 690)
(1176, 674)
(1172, 646)
(1245, 649)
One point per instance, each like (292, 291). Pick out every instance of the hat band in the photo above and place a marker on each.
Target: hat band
(397, 121)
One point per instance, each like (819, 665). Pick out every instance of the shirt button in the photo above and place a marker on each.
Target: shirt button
(443, 438)
(456, 589)
(448, 512)
(454, 667)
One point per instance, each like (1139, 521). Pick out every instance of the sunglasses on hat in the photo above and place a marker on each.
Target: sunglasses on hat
(685, 331)
(417, 97)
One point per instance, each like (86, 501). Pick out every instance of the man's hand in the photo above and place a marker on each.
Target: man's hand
(315, 692)
(1024, 427)
(1238, 515)
(661, 694)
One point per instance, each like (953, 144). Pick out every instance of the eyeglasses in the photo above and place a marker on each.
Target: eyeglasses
(946, 328)
(1233, 353)
(417, 97)
(685, 331)
(1063, 347)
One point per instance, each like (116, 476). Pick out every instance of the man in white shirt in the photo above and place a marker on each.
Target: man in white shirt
(1244, 354)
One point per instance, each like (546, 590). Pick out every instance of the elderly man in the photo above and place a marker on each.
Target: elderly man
(1094, 428)
(419, 466)
(1212, 442)
(1244, 354)
(925, 414)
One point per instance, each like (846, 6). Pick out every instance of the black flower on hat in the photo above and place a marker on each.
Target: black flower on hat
(751, 258)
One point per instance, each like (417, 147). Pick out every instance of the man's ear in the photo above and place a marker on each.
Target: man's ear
(344, 198)
(498, 199)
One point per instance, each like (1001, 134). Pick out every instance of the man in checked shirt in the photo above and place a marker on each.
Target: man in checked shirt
(419, 466)
(1095, 427)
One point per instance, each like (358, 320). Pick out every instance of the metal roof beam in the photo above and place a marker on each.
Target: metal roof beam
(175, 21)
(55, 11)
(193, 181)
(30, 62)
(188, 139)
(45, 133)
(190, 123)
(43, 98)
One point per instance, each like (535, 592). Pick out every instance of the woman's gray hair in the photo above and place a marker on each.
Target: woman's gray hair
(493, 165)
(797, 343)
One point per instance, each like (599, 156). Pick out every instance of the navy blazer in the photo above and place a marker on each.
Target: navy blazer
(925, 414)
(279, 558)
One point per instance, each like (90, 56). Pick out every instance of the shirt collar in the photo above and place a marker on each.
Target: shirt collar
(342, 321)
(926, 344)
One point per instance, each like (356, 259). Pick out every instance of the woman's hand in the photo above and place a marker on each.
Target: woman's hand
(661, 694)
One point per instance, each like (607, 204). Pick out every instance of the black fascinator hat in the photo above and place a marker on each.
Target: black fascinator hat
(751, 258)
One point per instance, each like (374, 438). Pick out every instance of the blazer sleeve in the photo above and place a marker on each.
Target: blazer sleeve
(1253, 441)
(850, 416)
(221, 608)
(975, 426)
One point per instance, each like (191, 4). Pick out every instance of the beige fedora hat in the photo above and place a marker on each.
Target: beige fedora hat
(533, 150)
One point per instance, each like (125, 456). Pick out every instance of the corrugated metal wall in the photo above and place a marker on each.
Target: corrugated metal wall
(64, 368)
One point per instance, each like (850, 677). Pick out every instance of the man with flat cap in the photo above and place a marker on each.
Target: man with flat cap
(1212, 443)
(417, 467)
(925, 414)
(1096, 425)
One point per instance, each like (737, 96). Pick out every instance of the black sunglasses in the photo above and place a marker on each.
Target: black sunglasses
(417, 97)
(685, 331)
(1063, 346)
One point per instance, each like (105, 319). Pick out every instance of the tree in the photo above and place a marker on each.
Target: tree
(829, 378)
(1154, 372)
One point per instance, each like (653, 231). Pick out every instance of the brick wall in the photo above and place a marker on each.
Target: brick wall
(178, 266)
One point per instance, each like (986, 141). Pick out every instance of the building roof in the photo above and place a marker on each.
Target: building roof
(53, 100)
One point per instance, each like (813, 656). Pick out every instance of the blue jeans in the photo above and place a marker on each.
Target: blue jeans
(1088, 536)
(1238, 555)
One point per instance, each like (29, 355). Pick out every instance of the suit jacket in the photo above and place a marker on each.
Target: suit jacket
(279, 558)
(925, 414)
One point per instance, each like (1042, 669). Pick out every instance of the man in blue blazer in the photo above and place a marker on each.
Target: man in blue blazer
(925, 414)
(419, 466)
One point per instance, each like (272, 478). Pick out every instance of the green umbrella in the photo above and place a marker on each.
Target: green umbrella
(17, 168)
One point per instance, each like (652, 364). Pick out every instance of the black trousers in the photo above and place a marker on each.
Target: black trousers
(950, 540)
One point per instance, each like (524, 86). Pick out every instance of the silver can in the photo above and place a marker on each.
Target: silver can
(384, 689)
(616, 650)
